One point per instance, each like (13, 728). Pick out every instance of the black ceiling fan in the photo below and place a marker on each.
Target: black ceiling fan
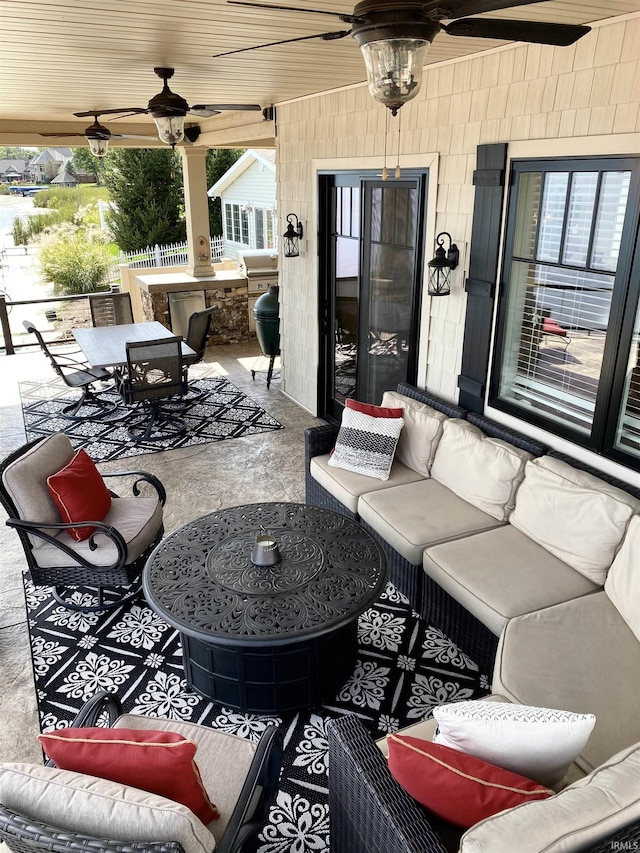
(97, 135)
(380, 27)
(169, 109)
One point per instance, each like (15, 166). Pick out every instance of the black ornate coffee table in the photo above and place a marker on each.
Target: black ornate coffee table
(267, 640)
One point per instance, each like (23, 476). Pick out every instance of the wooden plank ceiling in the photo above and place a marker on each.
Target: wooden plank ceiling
(58, 57)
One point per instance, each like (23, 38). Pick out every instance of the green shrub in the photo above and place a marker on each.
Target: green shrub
(4, 189)
(19, 231)
(75, 260)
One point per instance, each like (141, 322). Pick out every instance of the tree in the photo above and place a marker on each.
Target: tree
(146, 187)
(219, 160)
(84, 161)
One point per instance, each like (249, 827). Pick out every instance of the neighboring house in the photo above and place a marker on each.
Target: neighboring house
(248, 194)
(50, 163)
(14, 170)
(64, 179)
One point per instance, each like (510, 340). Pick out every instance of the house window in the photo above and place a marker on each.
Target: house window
(565, 357)
(264, 228)
(237, 224)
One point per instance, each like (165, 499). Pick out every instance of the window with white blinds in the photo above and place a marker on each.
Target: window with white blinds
(561, 274)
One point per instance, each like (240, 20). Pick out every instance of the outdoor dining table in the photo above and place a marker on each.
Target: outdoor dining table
(106, 346)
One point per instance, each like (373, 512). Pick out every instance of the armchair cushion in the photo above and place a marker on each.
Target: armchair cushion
(80, 494)
(586, 812)
(539, 743)
(137, 519)
(99, 807)
(622, 585)
(367, 439)
(25, 479)
(458, 788)
(483, 471)
(161, 762)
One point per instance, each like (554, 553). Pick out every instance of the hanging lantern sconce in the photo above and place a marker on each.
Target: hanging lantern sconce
(292, 236)
(441, 266)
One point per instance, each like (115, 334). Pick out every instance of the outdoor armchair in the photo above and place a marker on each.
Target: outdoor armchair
(110, 309)
(83, 573)
(44, 808)
(76, 374)
(198, 333)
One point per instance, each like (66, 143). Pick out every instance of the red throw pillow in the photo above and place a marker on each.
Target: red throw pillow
(155, 761)
(80, 494)
(373, 411)
(457, 787)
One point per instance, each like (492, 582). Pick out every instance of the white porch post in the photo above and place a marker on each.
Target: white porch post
(197, 211)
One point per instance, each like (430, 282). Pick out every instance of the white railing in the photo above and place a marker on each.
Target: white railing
(173, 254)
(167, 256)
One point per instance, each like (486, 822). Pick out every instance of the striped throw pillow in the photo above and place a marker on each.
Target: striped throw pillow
(367, 439)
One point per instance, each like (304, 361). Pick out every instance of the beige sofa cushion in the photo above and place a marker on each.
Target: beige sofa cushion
(581, 656)
(421, 432)
(223, 761)
(483, 471)
(584, 813)
(623, 580)
(501, 573)
(347, 486)
(574, 515)
(98, 807)
(412, 516)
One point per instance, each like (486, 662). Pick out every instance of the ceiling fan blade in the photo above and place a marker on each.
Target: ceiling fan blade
(135, 112)
(61, 135)
(529, 31)
(131, 110)
(215, 108)
(133, 136)
(338, 34)
(449, 9)
(348, 19)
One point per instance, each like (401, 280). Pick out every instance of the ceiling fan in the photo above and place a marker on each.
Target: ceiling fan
(169, 109)
(394, 36)
(97, 135)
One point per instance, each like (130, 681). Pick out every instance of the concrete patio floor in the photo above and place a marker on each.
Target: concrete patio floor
(265, 467)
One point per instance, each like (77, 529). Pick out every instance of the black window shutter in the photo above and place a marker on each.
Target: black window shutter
(488, 179)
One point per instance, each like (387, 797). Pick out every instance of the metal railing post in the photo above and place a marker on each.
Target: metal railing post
(4, 324)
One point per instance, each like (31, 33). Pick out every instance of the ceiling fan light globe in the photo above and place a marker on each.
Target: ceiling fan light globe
(394, 69)
(170, 128)
(98, 147)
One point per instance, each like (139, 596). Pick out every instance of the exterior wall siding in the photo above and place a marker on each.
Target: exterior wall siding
(511, 94)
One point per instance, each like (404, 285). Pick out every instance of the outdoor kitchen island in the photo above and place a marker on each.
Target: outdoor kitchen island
(267, 639)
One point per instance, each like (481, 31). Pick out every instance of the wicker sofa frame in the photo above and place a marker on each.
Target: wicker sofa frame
(370, 813)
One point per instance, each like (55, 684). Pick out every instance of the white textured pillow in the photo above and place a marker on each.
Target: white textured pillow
(539, 743)
(92, 806)
(578, 818)
(483, 471)
(366, 443)
(623, 580)
(574, 515)
(421, 432)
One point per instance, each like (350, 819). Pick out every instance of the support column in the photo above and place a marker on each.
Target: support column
(196, 204)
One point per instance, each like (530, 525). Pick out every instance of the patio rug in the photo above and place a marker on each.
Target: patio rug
(226, 412)
(404, 669)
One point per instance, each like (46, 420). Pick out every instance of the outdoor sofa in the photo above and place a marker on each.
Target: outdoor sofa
(536, 579)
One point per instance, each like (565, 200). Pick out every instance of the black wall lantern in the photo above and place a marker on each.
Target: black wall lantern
(441, 265)
(292, 236)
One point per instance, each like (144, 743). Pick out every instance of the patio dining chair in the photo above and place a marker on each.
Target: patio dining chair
(198, 333)
(101, 571)
(47, 808)
(78, 375)
(154, 375)
(110, 309)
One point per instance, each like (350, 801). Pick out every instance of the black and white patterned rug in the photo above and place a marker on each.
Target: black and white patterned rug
(226, 412)
(404, 669)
